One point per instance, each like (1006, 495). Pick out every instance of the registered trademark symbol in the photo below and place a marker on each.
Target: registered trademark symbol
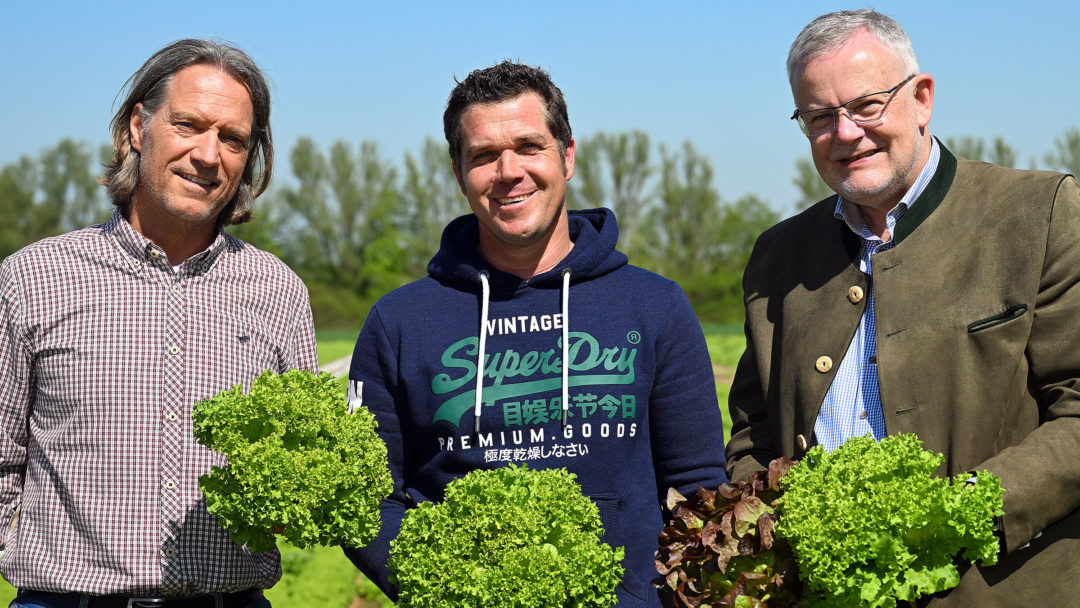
(633, 337)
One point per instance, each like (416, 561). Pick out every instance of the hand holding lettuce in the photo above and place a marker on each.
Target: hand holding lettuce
(867, 524)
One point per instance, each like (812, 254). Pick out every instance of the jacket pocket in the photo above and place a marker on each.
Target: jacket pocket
(1010, 314)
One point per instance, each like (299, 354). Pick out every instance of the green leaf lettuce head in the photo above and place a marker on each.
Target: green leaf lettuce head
(510, 537)
(870, 524)
(299, 463)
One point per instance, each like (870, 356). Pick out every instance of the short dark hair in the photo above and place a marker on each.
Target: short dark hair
(501, 82)
(149, 85)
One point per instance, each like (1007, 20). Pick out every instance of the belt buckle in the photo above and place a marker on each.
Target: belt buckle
(141, 602)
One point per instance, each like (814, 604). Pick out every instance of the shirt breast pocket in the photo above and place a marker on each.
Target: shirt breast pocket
(232, 350)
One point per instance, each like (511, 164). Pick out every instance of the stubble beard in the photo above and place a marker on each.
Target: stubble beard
(893, 187)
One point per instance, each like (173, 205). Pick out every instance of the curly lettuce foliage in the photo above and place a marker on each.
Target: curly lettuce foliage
(719, 548)
(506, 538)
(299, 463)
(870, 524)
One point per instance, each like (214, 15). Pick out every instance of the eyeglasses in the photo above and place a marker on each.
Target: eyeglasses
(865, 111)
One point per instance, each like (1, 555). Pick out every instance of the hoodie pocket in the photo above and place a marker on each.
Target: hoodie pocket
(608, 506)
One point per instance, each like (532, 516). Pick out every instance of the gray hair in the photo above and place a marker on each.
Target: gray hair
(149, 85)
(828, 32)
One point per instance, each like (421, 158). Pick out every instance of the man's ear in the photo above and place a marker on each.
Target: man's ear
(568, 159)
(135, 126)
(457, 175)
(924, 99)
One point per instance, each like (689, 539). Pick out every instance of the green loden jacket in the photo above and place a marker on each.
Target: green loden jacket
(978, 348)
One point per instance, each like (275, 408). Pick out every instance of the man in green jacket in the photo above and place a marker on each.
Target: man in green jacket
(932, 295)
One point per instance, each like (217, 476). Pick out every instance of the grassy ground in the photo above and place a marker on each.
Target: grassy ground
(335, 343)
(726, 344)
(325, 578)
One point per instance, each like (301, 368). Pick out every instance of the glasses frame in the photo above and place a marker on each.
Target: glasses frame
(797, 115)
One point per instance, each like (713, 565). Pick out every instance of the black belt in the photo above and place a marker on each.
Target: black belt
(240, 599)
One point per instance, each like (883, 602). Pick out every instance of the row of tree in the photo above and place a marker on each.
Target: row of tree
(354, 225)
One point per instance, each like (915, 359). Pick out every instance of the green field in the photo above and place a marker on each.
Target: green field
(335, 343)
(323, 577)
(726, 344)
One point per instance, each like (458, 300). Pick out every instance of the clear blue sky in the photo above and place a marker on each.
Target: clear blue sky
(710, 72)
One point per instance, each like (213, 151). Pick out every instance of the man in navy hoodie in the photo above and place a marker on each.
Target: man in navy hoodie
(523, 285)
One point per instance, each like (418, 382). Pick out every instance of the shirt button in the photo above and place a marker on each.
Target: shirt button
(823, 363)
(862, 415)
(176, 288)
(174, 350)
(170, 552)
(155, 253)
(855, 294)
(170, 485)
(172, 417)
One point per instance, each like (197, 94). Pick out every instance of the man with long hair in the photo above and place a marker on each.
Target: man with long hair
(112, 333)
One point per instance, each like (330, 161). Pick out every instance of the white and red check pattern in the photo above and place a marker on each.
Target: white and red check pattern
(104, 350)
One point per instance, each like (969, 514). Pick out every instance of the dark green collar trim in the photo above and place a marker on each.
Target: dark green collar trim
(930, 198)
(852, 242)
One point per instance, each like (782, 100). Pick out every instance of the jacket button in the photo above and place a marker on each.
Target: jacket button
(855, 294)
(801, 441)
(823, 363)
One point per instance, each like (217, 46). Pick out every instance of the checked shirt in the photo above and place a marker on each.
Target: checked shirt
(104, 350)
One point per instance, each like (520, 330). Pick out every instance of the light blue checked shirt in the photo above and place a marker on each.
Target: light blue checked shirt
(852, 407)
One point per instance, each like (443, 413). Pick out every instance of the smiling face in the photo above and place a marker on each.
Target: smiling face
(870, 166)
(514, 176)
(193, 151)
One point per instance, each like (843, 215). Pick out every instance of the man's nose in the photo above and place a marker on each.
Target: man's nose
(207, 149)
(509, 168)
(846, 128)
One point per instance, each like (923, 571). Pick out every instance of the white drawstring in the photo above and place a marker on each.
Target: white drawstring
(482, 347)
(565, 345)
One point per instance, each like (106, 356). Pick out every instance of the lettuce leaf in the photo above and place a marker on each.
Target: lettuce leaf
(719, 547)
(870, 524)
(299, 464)
(506, 538)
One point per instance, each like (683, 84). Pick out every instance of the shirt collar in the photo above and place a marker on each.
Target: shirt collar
(141, 251)
(850, 214)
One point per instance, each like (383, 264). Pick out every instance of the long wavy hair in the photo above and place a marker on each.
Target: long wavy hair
(150, 87)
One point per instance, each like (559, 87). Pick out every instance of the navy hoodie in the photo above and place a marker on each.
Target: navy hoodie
(641, 415)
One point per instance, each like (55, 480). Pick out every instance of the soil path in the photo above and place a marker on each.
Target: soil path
(723, 374)
(337, 367)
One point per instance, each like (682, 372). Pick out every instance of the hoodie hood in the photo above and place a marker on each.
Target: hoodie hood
(594, 233)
